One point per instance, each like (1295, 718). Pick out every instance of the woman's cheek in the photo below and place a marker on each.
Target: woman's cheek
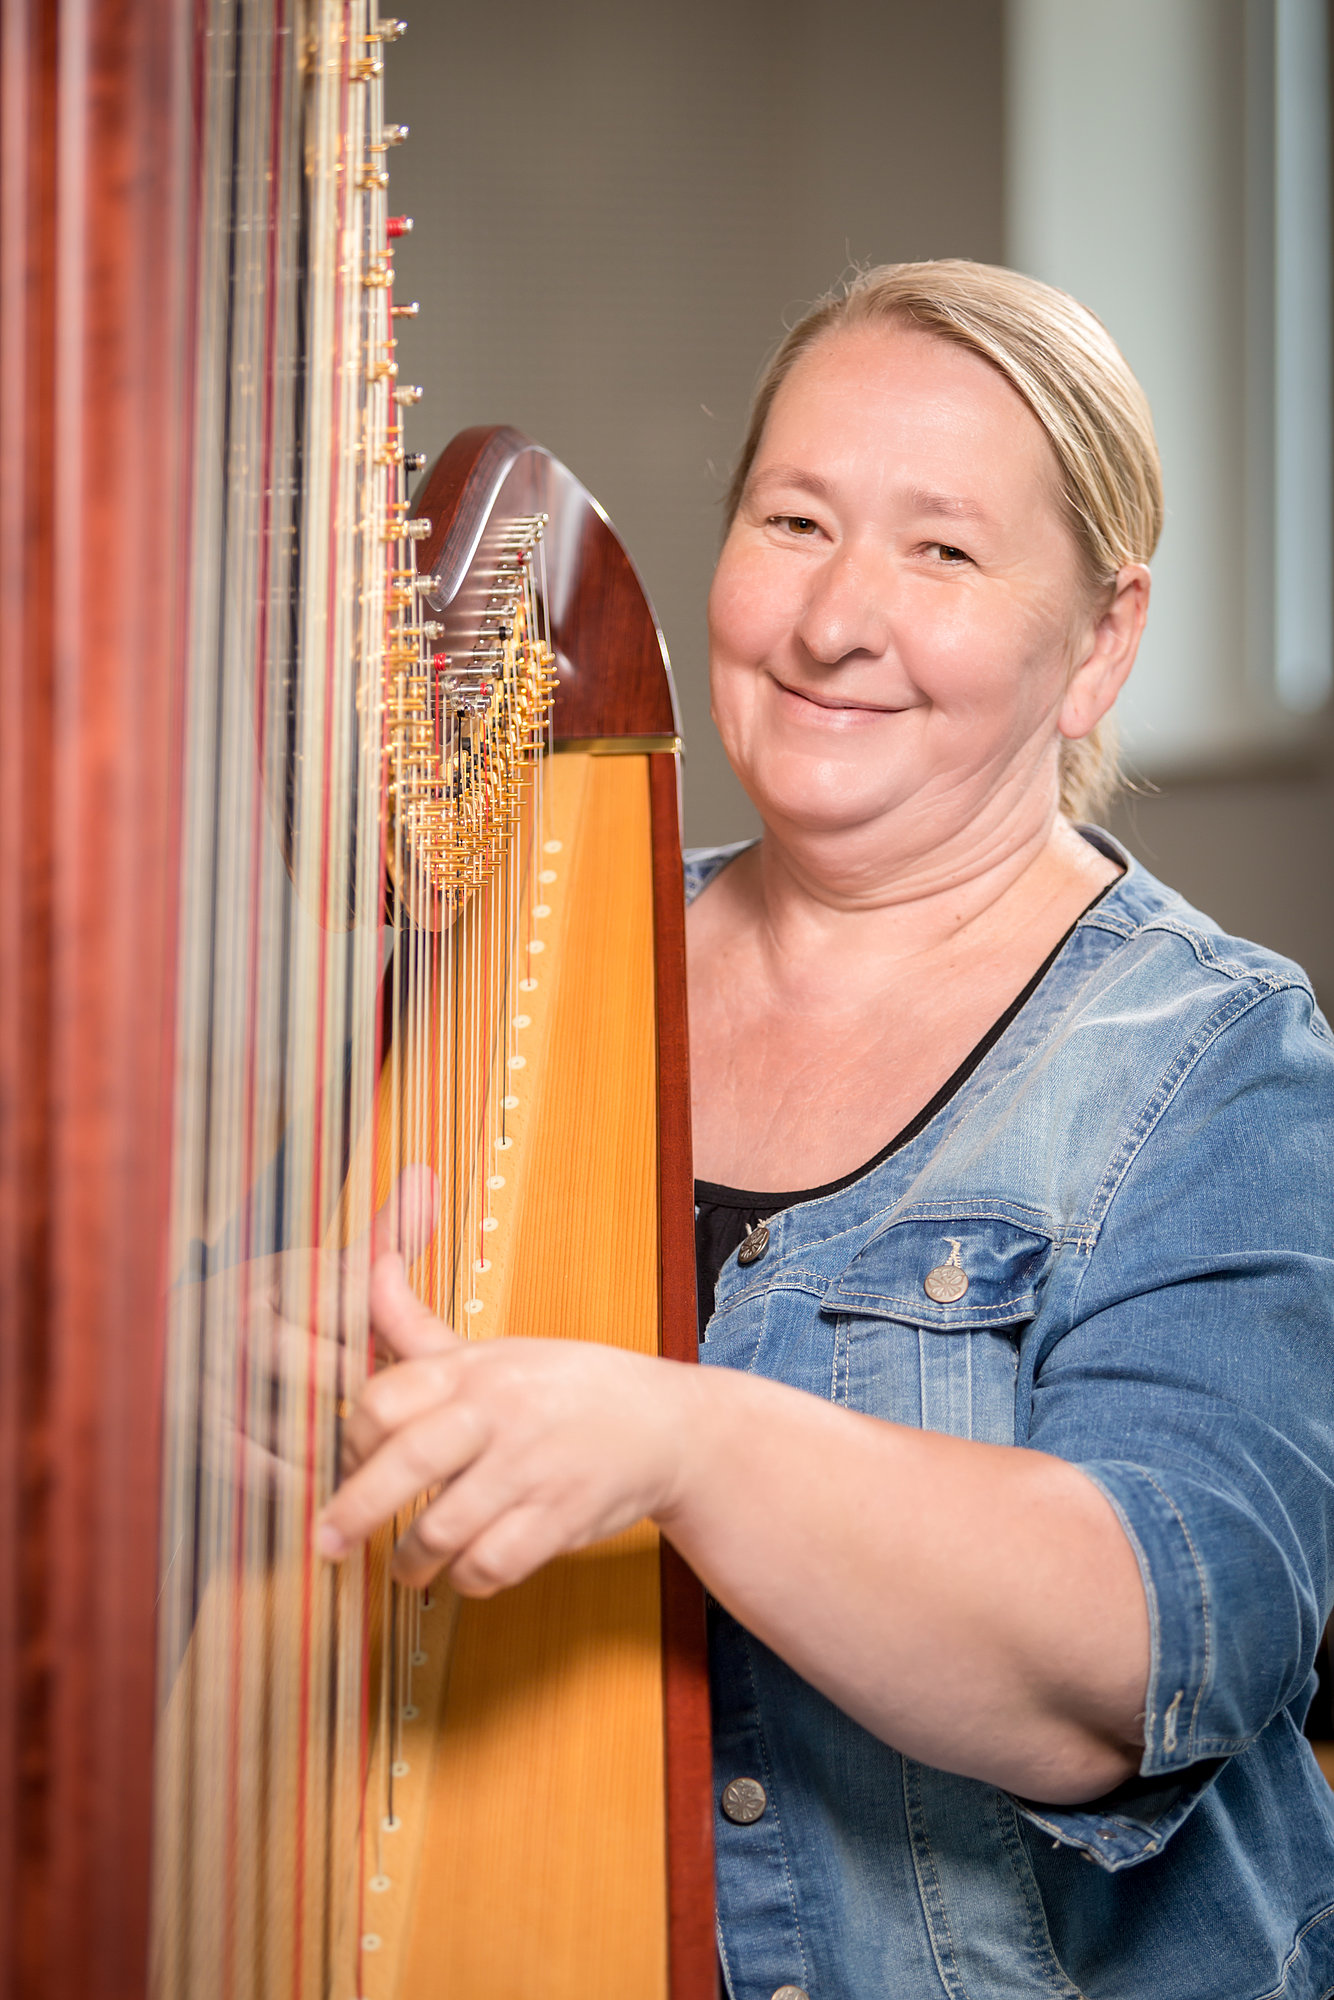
(970, 658)
(746, 612)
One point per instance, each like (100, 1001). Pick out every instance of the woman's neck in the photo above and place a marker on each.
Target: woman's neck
(817, 897)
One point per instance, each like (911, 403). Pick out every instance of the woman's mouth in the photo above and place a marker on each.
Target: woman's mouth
(836, 707)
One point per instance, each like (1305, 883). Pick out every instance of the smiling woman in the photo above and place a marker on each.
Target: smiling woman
(1011, 1477)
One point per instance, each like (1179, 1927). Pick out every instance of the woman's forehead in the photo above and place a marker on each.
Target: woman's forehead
(906, 403)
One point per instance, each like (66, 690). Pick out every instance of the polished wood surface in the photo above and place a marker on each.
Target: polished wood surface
(685, 1657)
(609, 652)
(547, 1838)
(93, 268)
(529, 1861)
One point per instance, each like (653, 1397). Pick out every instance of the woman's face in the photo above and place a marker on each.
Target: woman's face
(899, 603)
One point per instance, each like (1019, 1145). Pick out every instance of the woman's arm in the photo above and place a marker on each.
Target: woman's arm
(977, 1606)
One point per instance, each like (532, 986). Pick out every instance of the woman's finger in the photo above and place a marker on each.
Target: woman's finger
(489, 1489)
(510, 1549)
(406, 1222)
(515, 1541)
(318, 1289)
(392, 1400)
(296, 1357)
(430, 1448)
(407, 1327)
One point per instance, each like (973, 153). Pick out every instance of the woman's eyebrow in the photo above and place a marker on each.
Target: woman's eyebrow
(918, 499)
(953, 505)
(792, 476)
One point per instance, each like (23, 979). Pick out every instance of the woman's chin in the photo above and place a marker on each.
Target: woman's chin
(824, 801)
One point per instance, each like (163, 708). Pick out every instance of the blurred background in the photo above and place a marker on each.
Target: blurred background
(619, 206)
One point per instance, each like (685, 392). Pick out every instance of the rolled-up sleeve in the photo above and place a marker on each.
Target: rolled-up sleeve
(1191, 1377)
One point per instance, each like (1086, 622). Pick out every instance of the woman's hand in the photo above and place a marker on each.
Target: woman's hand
(283, 1338)
(534, 1447)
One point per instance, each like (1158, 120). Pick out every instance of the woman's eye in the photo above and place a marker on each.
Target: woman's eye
(796, 524)
(948, 554)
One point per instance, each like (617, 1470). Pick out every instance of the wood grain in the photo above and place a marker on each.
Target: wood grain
(543, 1869)
(685, 1655)
(614, 679)
(92, 168)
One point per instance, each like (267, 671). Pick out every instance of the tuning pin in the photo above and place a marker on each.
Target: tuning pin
(409, 393)
(387, 31)
(399, 225)
(394, 135)
(405, 312)
(414, 461)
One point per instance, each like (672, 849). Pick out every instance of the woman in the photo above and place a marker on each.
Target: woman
(1012, 1472)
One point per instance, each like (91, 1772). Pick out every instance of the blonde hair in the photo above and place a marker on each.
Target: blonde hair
(1073, 377)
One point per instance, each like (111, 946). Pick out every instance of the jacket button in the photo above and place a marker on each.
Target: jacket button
(755, 1245)
(744, 1801)
(790, 1993)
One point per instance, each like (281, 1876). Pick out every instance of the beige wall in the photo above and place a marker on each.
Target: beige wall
(617, 204)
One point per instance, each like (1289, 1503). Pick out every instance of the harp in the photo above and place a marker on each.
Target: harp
(338, 838)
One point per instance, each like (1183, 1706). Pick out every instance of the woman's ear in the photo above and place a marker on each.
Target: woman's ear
(1099, 677)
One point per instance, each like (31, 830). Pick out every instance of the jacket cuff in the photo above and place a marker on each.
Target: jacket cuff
(1182, 1656)
(1180, 1759)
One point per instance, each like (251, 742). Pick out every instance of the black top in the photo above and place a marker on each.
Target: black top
(725, 1216)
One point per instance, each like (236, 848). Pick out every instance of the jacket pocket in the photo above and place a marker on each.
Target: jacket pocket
(956, 1269)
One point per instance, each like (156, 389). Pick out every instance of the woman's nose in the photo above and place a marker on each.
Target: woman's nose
(848, 610)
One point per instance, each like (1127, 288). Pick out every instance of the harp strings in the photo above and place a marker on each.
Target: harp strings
(465, 800)
(334, 1053)
(266, 1654)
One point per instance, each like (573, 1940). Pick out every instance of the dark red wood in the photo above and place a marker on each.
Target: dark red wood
(614, 679)
(93, 161)
(693, 1958)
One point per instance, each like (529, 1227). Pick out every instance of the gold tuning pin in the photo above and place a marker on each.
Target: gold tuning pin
(365, 68)
(387, 31)
(405, 312)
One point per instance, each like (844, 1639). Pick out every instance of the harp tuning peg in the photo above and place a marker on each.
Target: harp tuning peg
(394, 135)
(405, 312)
(399, 225)
(414, 461)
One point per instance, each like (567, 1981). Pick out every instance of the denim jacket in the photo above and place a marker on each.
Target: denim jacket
(1140, 1179)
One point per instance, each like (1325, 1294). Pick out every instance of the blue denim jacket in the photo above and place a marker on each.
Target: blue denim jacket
(1140, 1176)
